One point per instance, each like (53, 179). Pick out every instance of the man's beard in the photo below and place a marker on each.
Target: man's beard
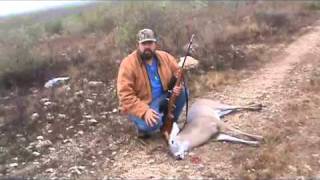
(147, 54)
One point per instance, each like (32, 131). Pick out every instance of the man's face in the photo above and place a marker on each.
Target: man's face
(147, 49)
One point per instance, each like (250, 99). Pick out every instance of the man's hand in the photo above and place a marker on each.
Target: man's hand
(151, 117)
(177, 90)
(178, 73)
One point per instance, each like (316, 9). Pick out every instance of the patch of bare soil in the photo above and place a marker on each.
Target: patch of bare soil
(109, 147)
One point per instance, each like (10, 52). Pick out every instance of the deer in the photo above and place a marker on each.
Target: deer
(203, 123)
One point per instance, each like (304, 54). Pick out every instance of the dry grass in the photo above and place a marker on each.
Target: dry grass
(291, 150)
(211, 81)
(313, 83)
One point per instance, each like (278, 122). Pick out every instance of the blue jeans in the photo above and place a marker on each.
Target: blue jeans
(142, 125)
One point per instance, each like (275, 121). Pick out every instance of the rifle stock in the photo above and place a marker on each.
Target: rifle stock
(169, 118)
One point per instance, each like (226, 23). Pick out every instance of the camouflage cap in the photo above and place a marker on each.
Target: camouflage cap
(146, 35)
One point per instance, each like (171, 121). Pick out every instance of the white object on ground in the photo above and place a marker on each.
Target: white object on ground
(56, 81)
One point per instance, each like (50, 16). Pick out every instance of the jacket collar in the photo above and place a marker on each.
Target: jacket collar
(141, 61)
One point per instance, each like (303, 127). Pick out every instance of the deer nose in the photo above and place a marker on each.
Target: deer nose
(179, 157)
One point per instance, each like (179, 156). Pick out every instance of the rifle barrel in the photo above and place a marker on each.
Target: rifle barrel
(189, 46)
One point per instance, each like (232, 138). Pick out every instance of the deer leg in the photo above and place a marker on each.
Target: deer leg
(252, 136)
(229, 109)
(252, 107)
(225, 137)
(221, 112)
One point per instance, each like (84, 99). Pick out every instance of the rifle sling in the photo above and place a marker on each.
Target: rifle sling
(187, 97)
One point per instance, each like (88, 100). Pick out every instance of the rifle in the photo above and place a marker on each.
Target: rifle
(169, 118)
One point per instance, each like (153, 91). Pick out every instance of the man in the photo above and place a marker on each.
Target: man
(143, 81)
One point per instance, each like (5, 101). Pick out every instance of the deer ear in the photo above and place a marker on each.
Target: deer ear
(174, 132)
(175, 129)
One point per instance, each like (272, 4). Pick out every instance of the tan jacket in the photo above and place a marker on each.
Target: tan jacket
(133, 85)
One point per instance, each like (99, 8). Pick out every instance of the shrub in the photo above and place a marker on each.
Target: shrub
(54, 27)
(314, 6)
(22, 68)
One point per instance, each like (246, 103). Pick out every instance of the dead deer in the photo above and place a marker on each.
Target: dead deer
(203, 123)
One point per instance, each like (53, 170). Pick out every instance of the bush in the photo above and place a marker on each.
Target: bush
(22, 68)
(54, 27)
(73, 25)
(314, 6)
(274, 20)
